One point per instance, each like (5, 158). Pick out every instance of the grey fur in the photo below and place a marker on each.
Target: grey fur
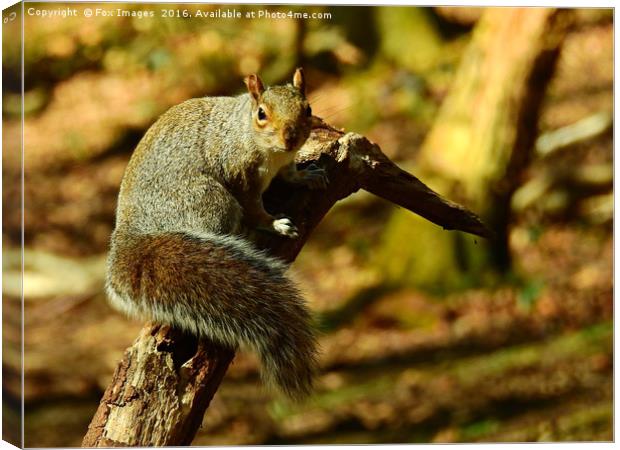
(178, 255)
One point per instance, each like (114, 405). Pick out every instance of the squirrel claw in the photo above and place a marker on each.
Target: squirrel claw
(314, 177)
(285, 227)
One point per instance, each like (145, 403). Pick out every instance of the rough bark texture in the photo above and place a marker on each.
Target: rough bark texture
(163, 386)
(159, 391)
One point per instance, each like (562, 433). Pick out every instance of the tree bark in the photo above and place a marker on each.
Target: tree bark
(166, 380)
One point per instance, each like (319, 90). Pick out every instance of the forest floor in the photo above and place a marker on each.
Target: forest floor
(482, 365)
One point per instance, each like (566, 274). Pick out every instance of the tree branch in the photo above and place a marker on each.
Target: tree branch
(166, 379)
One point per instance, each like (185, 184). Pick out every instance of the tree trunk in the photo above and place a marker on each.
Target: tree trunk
(479, 144)
(163, 385)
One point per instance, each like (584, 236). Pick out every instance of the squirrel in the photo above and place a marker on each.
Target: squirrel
(179, 253)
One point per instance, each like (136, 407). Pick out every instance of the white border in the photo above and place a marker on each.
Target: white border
(566, 3)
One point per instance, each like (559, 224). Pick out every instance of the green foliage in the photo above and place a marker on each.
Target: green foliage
(478, 429)
(409, 37)
(529, 293)
(418, 253)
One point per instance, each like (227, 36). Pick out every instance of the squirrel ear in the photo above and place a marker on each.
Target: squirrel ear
(255, 86)
(299, 81)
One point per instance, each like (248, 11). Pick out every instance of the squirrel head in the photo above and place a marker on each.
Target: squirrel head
(281, 115)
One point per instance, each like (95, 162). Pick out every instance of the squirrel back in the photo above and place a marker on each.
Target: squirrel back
(192, 189)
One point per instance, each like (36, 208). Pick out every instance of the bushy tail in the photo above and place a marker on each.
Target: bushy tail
(221, 288)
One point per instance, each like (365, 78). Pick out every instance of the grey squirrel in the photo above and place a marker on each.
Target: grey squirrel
(193, 186)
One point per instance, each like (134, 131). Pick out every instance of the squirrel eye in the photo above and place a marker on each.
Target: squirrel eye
(308, 111)
(261, 114)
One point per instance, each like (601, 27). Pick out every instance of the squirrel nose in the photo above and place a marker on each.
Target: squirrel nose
(290, 136)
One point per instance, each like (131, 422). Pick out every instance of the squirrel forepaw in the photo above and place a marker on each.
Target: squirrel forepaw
(285, 227)
(314, 177)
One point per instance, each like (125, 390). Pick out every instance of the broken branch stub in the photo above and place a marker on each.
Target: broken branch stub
(166, 379)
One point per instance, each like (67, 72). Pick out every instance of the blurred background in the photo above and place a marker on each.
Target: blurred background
(427, 335)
